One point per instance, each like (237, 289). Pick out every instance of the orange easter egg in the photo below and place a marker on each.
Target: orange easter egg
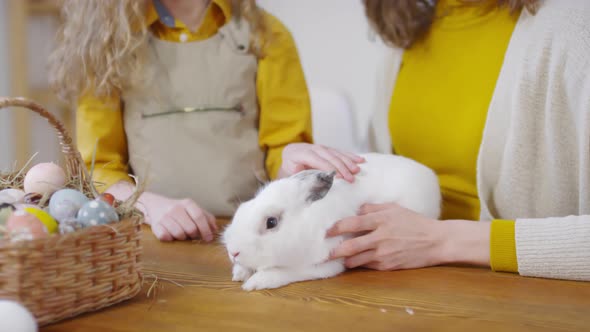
(109, 198)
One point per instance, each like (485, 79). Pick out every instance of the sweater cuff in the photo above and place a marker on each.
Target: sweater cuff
(104, 178)
(274, 160)
(503, 246)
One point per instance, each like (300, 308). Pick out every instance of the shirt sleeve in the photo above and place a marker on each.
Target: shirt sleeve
(99, 125)
(285, 110)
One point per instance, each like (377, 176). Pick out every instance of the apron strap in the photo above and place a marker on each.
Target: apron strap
(237, 34)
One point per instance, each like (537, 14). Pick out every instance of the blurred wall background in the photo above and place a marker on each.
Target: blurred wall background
(27, 29)
(340, 60)
(6, 134)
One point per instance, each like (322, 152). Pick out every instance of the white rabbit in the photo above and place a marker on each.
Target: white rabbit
(278, 237)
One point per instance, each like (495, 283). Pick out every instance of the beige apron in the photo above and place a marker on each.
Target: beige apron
(195, 134)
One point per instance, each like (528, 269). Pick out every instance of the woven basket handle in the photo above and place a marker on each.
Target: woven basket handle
(74, 163)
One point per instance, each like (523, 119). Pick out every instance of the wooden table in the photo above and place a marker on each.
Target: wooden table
(434, 299)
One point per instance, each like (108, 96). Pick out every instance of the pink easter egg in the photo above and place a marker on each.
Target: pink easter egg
(24, 225)
(45, 178)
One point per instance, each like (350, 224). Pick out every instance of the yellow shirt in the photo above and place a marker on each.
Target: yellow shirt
(285, 114)
(440, 101)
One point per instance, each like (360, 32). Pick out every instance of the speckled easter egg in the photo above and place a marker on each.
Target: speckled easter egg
(5, 211)
(11, 196)
(45, 178)
(25, 226)
(97, 212)
(69, 226)
(65, 204)
(44, 217)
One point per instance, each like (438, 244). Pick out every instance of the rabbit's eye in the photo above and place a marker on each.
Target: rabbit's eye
(271, 222)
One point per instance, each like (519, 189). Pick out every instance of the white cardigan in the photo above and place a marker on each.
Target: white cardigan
(534, 159)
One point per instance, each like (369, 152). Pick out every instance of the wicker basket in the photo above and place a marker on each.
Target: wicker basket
(63, 276)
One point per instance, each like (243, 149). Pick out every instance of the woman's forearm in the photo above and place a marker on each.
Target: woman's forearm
(464, 242)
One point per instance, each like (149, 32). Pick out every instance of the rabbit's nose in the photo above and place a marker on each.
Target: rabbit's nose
(235, 254)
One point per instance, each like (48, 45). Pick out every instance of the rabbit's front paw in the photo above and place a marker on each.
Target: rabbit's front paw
(264, 280)
(240, 273)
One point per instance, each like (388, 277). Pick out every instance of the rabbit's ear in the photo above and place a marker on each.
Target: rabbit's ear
(318, 183)
(321, 185)
(261, 176)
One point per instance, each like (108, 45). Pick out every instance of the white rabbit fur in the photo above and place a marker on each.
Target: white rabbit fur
(306, 205)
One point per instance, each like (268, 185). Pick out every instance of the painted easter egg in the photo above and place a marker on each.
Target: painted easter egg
(69, 226)
(11, 196)
(44, 217)
(32, 198)
(25, 226)
(16, 318)
(45, 178)
(5, 212)
(109, 198)
(97, 212)
(65, 204)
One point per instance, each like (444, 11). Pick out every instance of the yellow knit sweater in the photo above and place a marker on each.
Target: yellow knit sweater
(439, 106)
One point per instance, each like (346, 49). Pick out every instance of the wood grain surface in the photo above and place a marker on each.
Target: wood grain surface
(194, 292)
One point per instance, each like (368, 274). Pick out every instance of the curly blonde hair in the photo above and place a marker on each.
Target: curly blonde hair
(102, 45)
(403, 22)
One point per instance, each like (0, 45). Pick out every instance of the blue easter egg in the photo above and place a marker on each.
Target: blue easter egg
(64, 204)
(96, 212)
